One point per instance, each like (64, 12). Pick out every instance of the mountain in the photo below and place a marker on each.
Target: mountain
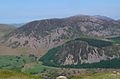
(5, 29)
(42, 35)
(83, 51)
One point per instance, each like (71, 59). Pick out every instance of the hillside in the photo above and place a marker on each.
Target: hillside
(5, 29)
(78, 52)
(102, 75)
(8, 74)
(42, 35)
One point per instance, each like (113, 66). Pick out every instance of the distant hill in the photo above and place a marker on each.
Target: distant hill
(5, 29)
(18, 24)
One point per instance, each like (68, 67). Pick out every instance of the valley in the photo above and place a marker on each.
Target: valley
(78, 47)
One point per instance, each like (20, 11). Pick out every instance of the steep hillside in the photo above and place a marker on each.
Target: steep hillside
(82, 51)
(45, 34)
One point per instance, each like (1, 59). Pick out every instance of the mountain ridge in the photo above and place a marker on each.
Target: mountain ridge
(48, 33)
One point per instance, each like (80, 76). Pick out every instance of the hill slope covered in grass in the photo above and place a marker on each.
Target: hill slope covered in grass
(99, 75)
(8, 74)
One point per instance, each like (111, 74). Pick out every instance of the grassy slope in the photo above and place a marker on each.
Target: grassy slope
(7, 74)
(102, 75)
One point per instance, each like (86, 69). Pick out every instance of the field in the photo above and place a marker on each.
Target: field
(36, 67)
(15, 62)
